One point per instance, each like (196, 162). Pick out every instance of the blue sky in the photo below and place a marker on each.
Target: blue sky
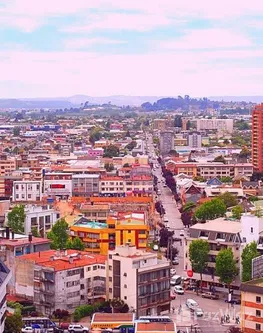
(58, 48)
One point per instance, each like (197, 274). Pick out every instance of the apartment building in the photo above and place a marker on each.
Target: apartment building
(7, 165)
(5, 276)
(194, 140)
(27, 190)
(110, 185)
(252, 306)
(120, 229)
(139, 185)
(216, 169)
(58, 184)
(166, 141)
(257, 133)
(220, 125)
(161, 124)
(85, 185)
(61, 279)
(96, 212)
(140, 279)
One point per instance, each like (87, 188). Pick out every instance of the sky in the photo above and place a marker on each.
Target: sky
(55, 48)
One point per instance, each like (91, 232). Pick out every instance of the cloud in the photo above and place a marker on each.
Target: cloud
(208, 39)
(82, 43)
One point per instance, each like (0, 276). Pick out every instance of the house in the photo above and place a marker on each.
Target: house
(27, 191)
(5, 276)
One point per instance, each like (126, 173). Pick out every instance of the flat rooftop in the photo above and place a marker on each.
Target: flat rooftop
(91, 225)
(112, 317)
(219, 225)
(155, 327)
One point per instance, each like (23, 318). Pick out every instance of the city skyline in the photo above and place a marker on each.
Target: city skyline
(162, 47)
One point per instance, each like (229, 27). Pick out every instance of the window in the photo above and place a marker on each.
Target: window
(258, 313)
(88, 269)
(258, 299)
(110, 279)
(251, 230)
(258, 327)
(129, 231)
(110, 268)
(94, 268)
(110, 290)
(110, 256)
(125, 297)
(29, 196)
(82, 286)
(125, 286)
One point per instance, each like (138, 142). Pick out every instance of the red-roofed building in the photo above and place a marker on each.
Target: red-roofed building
(61, 279)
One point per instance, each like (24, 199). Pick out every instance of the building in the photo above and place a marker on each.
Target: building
(220, 125)
(58, 184)
(195, 140)
(120, 229)
(140, 279)
(13, 245)
(166, 142)
(27, 190)
(85, 185)
(257, 137)
(112, 320)
(96, 212)
(155, 327)
(5, 276)
(61, 279)
(112, 185)
(161, 124)
(252, 306)
(7, 165)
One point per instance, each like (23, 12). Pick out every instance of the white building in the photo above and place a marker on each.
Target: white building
(5, 276)
(27, 190)
(140, 279)
(195, 140)
(221, 125)
(166, 141)
(58, 184)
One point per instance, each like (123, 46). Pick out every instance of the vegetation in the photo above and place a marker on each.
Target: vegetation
(165, 235)
(250, 252)
(199, 256)
(199, 179)
(61, 314)
(220, 159)
(109, 167)
(35, 232)
(178, 121)
(241, 125)
(229, 199)
(95, 135)
(131, 145)
(76, 244)
(237, 212)
(225, 179)
(226, 267)
(111, 151)
(13, 323)
(210, 210)
(16, 218)
(59, 235)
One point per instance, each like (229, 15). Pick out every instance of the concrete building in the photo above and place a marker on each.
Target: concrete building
(85, 185)
(140, 279)
(166, 142)
(161, 124)
(58, 184)
(27, 190)
(220, 125)
(257, 137)
(112, 185)
(96, 212)
(195, 140)
(252, 306)
(7, 165)
(61, 279)
(5, 276)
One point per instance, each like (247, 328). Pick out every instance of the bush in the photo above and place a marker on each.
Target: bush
(28, 309)
(85, 310)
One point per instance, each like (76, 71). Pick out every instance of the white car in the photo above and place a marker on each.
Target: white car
(179, 290)
(199, 312)
(173, 271)
(28, 329)
(76, 328)
(155, 247)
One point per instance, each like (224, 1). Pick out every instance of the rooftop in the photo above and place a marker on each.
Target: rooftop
(219, 224)
(155, 327)
(112, 317)
(83, 222)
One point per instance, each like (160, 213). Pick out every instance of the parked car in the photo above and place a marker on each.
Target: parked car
(175, 261)
(172, 271)
(199, 312)
(175, 280)
(233, 300)
(58, 330)
(155, 247)
(76, 328)
(210, 295)
(27, 329)
(181, 233)
(179, 290)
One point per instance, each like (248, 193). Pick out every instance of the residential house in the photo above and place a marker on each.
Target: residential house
(27, 190)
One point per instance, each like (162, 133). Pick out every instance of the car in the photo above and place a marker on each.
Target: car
(155, 247)
(64, 325)
(233, 300)
(27, 329)
(175, 261)
(199, 312)
(210, 295)
(179, 290)
(191, 304)
(181, 233)
(76, 328)
(58, 330)
(173, 271)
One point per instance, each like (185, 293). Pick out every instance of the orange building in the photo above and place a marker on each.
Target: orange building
(257, 137)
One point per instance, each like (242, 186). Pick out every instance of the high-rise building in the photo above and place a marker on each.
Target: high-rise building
(166, 142)
(257, 137)
(195, 140)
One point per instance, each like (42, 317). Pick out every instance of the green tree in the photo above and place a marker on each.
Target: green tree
(237, 212)
(95, 135)
(245, 152)
(16, 131)
(126, 165)
(111, 151)
(225, 179)
(226, 267)
(59, 235)
(210, 210)
(220, 159)
(16, 218)
(131, 145)
(75, 244)
(250, 252)
(109, 167)
(189, 206)
(13, 323)
(178, 121)
(35, 232)
(229, 199)
(199, 256)
(199, 179)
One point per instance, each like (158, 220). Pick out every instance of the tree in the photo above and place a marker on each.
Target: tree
(178, 121)
(220, 159)
(131, 145)
(35, 232)
(95, 135)
(109, 167)
(61, 314)
(189, 206)
(229, 199)
(199, 255)
(226, 267)
(225, 179)
(126, 165)
(199, 179)
(250, 252)
(76, 244)
(111, 151)
(16, 131)
(210, 210)
(119, 305)
(165, 234)
(237, 212)
(16, 218)
(13, 323)
(245, 152)
(59, 235)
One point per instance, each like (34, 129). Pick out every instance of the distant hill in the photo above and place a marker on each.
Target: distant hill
(34, 104)
(247, 99)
